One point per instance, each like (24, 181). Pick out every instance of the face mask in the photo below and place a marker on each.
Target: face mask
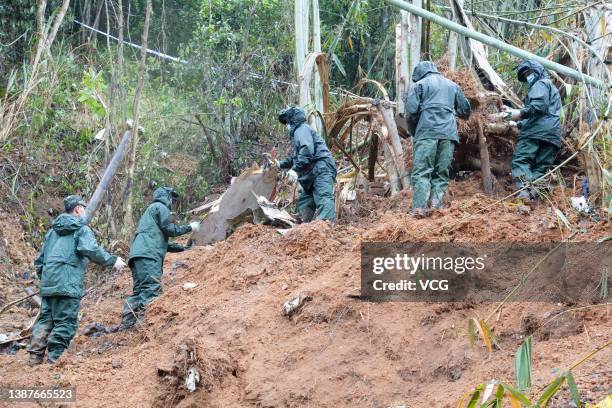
(288, 126)
(530, 78)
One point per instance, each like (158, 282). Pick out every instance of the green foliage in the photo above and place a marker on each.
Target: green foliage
(93, 87)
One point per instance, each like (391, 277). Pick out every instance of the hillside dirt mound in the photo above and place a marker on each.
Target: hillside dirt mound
(336, 350)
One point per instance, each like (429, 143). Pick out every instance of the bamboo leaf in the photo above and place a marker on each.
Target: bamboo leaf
(604, 403)
(522, 365)
(475, 397)
(338, 64)
(550, 391)
(573, 388)
(499, 396)
(517, 395)
(471, 331)
(514, 401)
(486, 335)
(488, 391)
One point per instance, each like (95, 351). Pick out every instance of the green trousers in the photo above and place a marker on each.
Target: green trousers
(55, 327)
(317, 195)
(146, 278)
(431, 160)
(532, 159)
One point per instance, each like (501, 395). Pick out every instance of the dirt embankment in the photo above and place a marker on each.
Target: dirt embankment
(337, 351)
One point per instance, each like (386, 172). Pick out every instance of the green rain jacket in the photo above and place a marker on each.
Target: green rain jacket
(62, 262)
(540, 118)
(432, 103)
(308, 146)
(155, 227)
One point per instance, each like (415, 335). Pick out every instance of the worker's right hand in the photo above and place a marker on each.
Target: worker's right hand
(292, 176)
(195, 226)
(119, 264)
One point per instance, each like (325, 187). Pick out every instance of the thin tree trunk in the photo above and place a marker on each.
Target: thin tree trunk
(316, 47)
(301, 35)
(403, 75)
(121, 65)
(128, 224)
(373, 157)
(415, 39)
(487, 180)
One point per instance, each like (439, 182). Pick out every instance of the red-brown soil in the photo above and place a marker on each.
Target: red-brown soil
(337, 351)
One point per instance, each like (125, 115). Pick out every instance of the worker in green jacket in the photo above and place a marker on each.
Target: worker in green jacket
(312, 165)
(61, 266)
(539, 126)
(431, 106)
(148, 251)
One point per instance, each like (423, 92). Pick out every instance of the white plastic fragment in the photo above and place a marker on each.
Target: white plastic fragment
(189, 285)
(192, 379)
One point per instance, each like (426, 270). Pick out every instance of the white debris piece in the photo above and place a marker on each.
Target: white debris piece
(580, 204)
(292, 305)
(192, 379)
(189, 285)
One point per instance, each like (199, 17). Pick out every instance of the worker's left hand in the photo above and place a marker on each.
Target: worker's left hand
(512, 114)
(292, 176)
(119, 264)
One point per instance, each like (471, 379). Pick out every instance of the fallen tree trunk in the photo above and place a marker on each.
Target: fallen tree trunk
(109, 173)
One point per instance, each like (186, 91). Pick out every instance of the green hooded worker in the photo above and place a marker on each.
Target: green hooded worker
(148, 251)
(431, 106)
(61, 267)
(312, 165)
(539, 126)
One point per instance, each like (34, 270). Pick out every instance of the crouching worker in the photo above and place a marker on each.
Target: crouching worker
(148, 251)
(539, 126)
(312, 165)
(61, 267)
(430, 113)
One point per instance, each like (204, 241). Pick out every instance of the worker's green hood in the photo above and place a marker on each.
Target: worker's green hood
(66, 224)
(533, 65)
(164, 195)
(423, 69)
(293, 116)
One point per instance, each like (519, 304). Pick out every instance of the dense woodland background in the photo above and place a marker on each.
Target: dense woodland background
(209, 115)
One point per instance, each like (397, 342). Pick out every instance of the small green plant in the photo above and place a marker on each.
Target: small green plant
(493, 393)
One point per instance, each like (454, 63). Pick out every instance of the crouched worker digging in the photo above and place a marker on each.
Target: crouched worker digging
(430, 113)
(312, 165)
(61, 267)
(148, 251)
(539, 124)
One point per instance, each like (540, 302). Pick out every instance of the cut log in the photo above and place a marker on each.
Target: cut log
(235, 201)
(109, 173)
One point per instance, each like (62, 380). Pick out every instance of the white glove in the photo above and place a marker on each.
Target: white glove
(292, 176)
(195, 226)
(512, 114)
(119, 264)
